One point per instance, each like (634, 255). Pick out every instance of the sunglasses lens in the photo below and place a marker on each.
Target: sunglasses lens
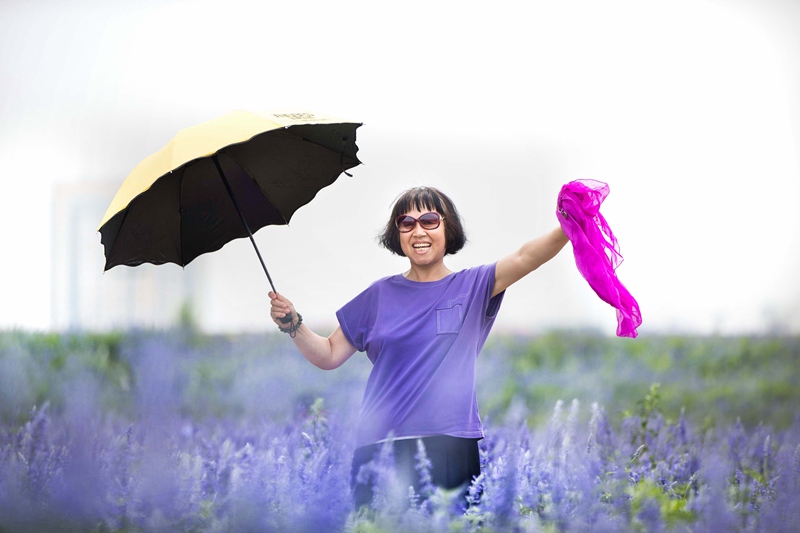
(429, 220)
(405, 223)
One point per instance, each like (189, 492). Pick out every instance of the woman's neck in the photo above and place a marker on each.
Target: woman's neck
(416, 273)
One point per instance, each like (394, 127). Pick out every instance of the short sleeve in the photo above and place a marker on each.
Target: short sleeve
(356, 318)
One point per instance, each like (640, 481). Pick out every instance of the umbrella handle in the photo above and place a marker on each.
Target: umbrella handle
(287, 319)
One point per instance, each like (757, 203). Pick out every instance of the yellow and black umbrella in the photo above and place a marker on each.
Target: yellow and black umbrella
(222, 180)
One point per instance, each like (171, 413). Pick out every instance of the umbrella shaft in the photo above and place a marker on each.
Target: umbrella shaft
(241, 216)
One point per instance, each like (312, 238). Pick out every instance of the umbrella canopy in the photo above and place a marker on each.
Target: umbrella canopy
(222, 180)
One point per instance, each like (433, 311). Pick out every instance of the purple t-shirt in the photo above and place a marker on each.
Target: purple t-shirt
(423, 340)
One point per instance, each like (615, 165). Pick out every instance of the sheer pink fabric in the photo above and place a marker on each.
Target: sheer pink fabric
(596, 249)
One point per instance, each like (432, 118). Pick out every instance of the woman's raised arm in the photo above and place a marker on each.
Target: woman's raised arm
(528, 258)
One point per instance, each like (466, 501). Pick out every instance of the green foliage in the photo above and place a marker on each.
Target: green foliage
(647, 407)
(34, 368)
(673, 509)
(755, 379)
(187, 321)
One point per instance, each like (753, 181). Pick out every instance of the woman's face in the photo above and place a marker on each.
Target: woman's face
(424, 247)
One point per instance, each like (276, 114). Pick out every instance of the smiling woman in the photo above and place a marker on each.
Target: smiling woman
(415, 230)
(422, 330)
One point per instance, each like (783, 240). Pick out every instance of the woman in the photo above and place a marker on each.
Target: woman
(422, 330)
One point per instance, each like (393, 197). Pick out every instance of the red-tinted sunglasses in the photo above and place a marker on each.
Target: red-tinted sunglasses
(428, 221)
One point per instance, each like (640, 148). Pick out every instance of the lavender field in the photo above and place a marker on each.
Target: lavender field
(176, 431)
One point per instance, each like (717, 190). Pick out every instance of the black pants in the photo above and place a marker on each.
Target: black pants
(454, 463)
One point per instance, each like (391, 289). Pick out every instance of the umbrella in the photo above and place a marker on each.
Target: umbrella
(221, 180)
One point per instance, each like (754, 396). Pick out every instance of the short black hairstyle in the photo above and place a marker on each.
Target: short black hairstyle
(422, 198)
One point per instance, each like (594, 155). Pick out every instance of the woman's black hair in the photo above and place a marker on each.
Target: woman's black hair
(421, 199)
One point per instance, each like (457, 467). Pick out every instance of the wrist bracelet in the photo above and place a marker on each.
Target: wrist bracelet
(293, 329)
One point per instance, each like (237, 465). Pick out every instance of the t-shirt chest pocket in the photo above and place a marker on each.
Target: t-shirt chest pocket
(450, 316)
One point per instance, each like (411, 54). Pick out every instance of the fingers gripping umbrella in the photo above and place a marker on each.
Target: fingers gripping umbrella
(221, 180)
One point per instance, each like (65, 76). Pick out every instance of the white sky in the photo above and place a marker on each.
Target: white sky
(689, 109)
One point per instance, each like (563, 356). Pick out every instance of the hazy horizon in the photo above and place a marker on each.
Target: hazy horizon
(689, 110)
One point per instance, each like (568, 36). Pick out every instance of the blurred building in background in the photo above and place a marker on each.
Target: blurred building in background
(86, 298)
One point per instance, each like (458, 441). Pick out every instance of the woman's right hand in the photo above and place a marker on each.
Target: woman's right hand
(281, 308)
(326, 353)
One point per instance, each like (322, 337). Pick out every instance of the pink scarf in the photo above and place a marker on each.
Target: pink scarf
(596, 249)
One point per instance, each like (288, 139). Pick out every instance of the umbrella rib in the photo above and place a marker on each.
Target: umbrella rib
(180, 218)
(257, 184)
(241, 216)
(119, 228)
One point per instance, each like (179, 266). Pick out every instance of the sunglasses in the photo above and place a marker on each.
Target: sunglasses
(428, 221)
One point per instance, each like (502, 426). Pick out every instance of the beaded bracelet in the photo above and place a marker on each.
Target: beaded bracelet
(293, 329)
